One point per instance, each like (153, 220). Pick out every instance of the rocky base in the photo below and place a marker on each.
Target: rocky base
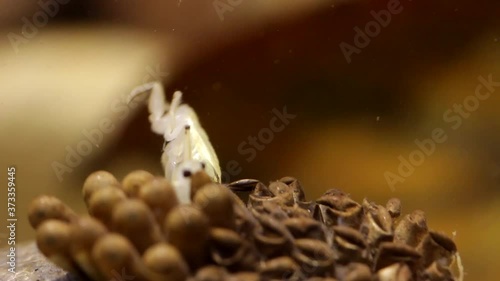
(33, 265)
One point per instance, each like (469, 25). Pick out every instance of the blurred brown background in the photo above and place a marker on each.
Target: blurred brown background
(236, 61)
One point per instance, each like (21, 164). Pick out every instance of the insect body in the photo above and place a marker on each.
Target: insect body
(187, 147)
(181, 176)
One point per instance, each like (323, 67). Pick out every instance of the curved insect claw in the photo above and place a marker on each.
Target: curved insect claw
(157, 105)
(140, 90)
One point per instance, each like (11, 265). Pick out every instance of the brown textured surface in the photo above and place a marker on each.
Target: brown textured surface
(279, 233)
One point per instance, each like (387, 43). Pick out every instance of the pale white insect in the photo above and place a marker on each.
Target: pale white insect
(181, 176)
(187, 148)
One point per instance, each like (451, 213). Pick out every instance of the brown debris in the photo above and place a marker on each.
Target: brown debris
(273, 239)
(438, 271)
(228, 249)
(412, 229)
(393, 206)
(354, 272)
(306, 228)
(390, 253)
(211, 273)
(336, 208)
(316, 257)
(436, 246)
(376, 225)
(281, 268)
(349, 244)
(395, 272)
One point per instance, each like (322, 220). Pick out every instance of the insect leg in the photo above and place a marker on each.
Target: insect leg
(157, 105)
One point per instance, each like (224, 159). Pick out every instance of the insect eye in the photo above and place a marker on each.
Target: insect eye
(203, 165)
(186, 173)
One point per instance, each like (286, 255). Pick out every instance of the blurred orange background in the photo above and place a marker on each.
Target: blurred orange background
(356, 115)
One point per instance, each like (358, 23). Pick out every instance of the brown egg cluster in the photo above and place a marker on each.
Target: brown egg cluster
(137, 230)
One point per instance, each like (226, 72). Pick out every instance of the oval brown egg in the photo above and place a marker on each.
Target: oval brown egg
(188, 229)
(47, 207)
(84, 233)
(166, 261)
(134, 181)
(96, 181)
(134, 219)
(160, 197)
(103, 202)
(53, 238)
(116, 257)
(216, 203)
